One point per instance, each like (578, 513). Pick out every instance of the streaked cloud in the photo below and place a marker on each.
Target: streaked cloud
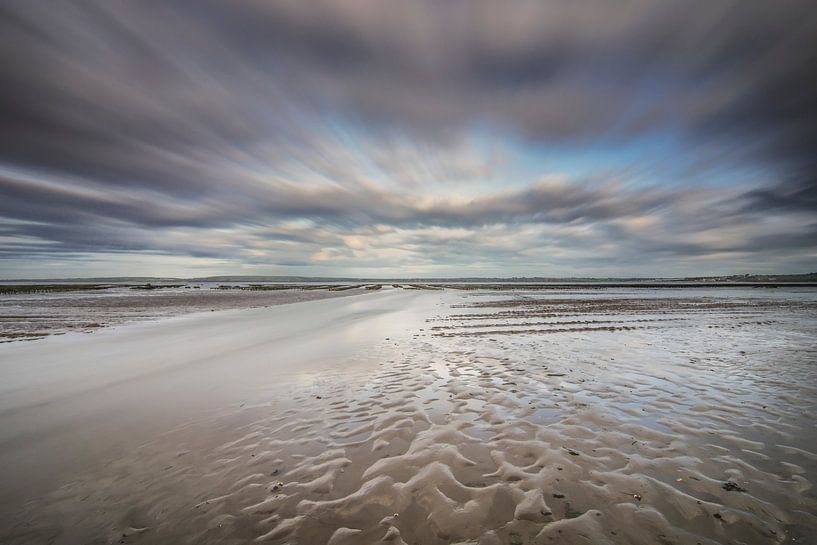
(355, 137)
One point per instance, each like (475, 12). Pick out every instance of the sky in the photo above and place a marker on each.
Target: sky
(407, 138)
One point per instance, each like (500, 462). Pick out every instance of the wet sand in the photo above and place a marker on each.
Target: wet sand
(423, 417)
(31, 311)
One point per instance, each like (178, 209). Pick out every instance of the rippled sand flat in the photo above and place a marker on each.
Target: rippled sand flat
(438, 417)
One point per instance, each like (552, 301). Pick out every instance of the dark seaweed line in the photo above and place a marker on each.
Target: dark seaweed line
(540, 331)
(573, 322)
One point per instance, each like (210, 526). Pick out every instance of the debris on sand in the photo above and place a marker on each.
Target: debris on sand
(730, 486)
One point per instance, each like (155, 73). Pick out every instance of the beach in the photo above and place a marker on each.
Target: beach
(423, 416)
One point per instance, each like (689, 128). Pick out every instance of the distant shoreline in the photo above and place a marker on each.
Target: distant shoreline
(8, 287)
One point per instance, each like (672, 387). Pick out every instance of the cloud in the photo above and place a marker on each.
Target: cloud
(362, 133)
(552, 221)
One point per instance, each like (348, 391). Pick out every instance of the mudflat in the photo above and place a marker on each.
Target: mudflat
(603, 416)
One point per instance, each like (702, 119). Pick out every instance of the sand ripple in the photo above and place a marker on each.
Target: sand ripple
(616, 434)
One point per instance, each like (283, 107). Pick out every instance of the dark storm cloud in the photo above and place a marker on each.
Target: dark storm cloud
(139, 94)
(783, 197)
(740, 71)
(120, 119)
